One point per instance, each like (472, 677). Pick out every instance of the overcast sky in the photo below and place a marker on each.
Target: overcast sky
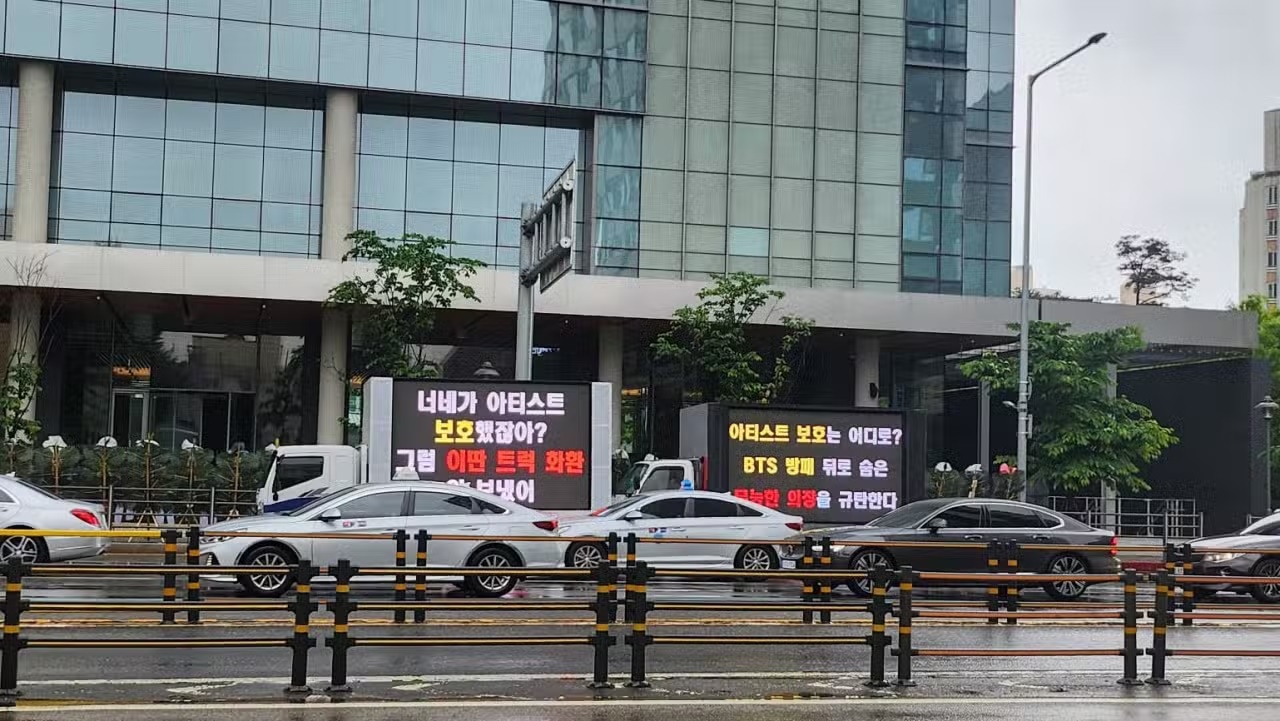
(1154, 132)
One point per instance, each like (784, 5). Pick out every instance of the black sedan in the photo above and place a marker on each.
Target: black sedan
(1230, 556)
(970, 520)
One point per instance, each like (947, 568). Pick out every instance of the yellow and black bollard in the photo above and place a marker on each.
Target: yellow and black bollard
(638, 599)
(1130, 629)
(420, 582)
(170, 592)
(402, 542)
(993, 590)
(301, 642)
(806, 563)
(879, 640)
(906, 589)
(193, 572)
(1159, 651)
(824, 583)
(11, 642)
(1188, 590)
(606, 576)
(1014, 594)
(341, 640)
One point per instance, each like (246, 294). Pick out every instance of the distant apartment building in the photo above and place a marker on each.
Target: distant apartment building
(1258, 218)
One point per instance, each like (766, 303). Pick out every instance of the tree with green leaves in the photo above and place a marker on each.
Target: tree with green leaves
(710, 340)
(1269, 349)
(410, 280)
(1082, 435)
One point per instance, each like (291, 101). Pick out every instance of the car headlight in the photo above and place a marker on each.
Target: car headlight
(207, 540)
(1221, 557)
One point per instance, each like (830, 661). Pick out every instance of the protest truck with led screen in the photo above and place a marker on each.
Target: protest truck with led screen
(828, 465)
(543, 445)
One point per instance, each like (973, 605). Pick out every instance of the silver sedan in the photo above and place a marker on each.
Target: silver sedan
(24, 506)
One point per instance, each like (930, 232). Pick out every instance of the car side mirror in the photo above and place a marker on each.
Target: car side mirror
(329, 515)
(633, 516)
(937, 524)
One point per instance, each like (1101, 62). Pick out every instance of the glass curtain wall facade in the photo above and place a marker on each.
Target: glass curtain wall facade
(957, 164)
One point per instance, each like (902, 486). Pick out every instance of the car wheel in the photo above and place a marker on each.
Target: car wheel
(267, 584)
(25, 549)
(1068, 564)
(866, 562)
(1266, 592)
(492, 586)
(756, 558)
(586, 555)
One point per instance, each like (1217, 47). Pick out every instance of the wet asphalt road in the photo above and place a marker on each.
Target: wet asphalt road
(1024, 710)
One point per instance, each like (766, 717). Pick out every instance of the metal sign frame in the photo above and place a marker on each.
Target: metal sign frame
(546, 255)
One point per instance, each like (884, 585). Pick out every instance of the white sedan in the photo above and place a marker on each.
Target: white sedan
(24, 506)
(751, 531)
(384, 508)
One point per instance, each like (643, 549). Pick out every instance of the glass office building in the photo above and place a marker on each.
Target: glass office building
(845, 149)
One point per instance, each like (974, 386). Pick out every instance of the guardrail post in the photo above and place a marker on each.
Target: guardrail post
(402, 542)
(906, 585)
(193, 572)
(993, 590)
(301, 642)
(601, 641)
(824, 583)
(878, 640)
(1013, 593)
(611, 549)
(639, 640)
(420, 582)
(11, 642)
(806, 592)
(630, 549)
(1130, 629)
(341, 641)
(1188, 590)
(1159, 650)
(170, 592)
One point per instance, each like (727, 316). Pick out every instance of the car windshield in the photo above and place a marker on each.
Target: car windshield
(33, 489)
(909, 516)
(312, 505)
(631, 479)
(1258, 526)
(614, 508)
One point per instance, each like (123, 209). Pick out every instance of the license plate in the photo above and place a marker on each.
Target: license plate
(788, 564)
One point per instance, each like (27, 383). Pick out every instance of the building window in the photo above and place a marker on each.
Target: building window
(1271, 259)
(1273, 194)
(1271, 228)
(1271, 291)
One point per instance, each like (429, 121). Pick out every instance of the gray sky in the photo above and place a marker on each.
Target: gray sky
(1154, 132)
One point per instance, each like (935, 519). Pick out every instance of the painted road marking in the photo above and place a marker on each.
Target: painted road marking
(664, 703)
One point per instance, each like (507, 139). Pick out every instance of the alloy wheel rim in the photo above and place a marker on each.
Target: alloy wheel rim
(1270, 570)
(867, 563)
(493, 583)
(23, 548)
(268, 581)
(1068, 566)
(756, 559)
(587, 557)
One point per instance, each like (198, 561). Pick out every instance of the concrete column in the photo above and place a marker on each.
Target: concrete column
(866, 370)
(610, 362)
(332, 404)
(35, 149)
(1110, 496)
(338, 220)
(338, 216)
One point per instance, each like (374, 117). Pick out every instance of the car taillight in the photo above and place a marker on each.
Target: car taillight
(1115, 545)
(796, 526)
(547, 525)
(599, 511)
(87, 516)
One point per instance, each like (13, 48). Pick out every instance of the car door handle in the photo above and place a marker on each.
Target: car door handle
(738, 528)
(469, 528)
(1042, 539)
(679, 530)
(973, 537)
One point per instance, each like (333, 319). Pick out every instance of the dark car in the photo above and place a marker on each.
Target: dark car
(970, 520)
(1229, 556)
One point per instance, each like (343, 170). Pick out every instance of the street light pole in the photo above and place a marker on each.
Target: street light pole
(1024, 306)
(1268, 408)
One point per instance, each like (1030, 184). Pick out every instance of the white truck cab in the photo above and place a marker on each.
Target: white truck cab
(663, 474)
(300, 473)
